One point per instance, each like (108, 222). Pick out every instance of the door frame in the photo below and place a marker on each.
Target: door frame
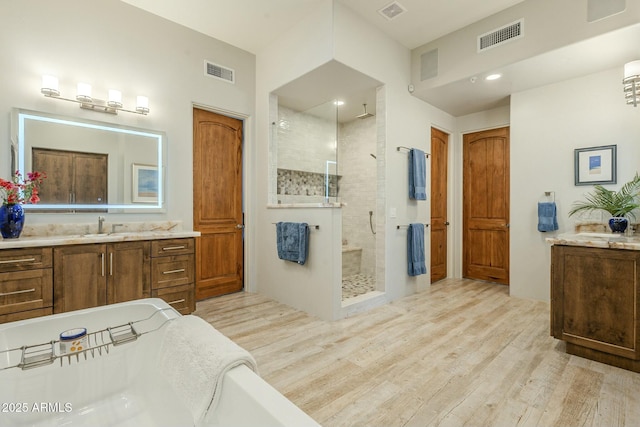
(460, 195)
(248, 168)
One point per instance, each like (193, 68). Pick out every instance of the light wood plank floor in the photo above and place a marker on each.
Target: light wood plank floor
(461, 353)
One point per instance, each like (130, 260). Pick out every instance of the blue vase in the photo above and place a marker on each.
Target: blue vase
(618, 224)
(11, 221)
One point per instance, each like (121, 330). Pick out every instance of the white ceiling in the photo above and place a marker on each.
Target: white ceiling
(253, 24)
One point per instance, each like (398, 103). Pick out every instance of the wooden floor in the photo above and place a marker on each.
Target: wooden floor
(461, 353)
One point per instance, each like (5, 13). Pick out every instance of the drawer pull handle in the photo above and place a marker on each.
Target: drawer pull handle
(180, 270)
(11, 261)
(176, 301)
(24, 291)
(173, 248)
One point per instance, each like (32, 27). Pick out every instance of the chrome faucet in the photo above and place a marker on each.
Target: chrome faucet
(113, 227)
(100, 224)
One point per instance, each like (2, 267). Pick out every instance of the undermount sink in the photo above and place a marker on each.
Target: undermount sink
(95, 235)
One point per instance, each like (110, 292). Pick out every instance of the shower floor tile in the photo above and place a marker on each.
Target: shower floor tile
(357, 284)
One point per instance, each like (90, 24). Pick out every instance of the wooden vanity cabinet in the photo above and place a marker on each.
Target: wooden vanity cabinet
(595, 301)
(173, 273)
(92, 275)
(26, 283)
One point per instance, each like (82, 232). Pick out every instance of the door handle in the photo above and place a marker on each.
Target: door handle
(239, 226)
(446, 223)
(506, 225)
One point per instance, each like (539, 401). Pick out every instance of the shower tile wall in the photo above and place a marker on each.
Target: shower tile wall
(304, 144)
(357, 140)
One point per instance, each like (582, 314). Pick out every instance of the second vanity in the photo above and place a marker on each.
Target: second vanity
(595, 296)
(44, 275)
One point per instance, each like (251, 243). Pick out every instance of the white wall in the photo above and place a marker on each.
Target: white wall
(303, 48)
(76, 40)
(408, 122)
(547, 125)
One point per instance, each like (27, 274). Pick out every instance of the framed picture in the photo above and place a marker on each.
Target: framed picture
(145, 183)
(595, 165)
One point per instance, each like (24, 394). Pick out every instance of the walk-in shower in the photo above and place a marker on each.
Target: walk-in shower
(357, 145)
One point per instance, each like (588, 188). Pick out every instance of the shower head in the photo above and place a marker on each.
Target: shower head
(365, 114)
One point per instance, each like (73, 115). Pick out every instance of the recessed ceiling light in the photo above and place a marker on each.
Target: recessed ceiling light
(338, 102)
(493, 76)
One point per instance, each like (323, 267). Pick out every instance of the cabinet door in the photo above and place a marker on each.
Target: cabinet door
(595, 296)
(80, 278)
(128, 271)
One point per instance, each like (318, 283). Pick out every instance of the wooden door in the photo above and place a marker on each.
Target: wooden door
(90, 178)
(128, 275)
(439, 222)
(486, 205)
(79, 277)
(58, 165)
(72, 177)
(217, 203)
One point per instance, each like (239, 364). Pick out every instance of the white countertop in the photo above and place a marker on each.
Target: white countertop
(78, 239)
(597, 240)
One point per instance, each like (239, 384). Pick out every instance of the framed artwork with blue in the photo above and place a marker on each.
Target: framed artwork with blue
(595, 165)
(145, 184)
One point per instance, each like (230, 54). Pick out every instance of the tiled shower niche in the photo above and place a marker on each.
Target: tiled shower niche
(303, 183)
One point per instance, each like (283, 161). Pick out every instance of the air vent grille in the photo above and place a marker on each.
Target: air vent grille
(429, 65)
(392, 10)
(219, 72)
(501, 36)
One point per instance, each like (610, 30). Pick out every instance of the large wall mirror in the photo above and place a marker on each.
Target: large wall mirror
(91, 166)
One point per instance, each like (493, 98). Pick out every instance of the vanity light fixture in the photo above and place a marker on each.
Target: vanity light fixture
(85, 99)
(631, 82)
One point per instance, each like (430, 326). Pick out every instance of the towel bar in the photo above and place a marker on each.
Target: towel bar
(405, 226)
(317, 227)
(409, 149)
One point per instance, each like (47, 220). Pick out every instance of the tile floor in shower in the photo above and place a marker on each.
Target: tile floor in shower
(357, 284)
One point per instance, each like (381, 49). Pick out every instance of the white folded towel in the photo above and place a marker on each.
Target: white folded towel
(194, 358)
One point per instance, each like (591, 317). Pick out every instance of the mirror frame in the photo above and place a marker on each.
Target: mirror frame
(18, 160)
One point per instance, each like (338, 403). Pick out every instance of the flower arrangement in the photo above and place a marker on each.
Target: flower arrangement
(21, 190)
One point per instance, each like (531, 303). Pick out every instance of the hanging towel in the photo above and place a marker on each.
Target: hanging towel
(415, 250)
(547, 220)
(417, 175)
(293, 241)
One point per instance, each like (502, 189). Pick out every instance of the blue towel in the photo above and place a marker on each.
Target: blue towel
(547, 220)
(293, 241)
(417, 175)
(415, 250)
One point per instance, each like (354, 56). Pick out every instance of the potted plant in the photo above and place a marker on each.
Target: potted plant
(13, 194)
(620, 204)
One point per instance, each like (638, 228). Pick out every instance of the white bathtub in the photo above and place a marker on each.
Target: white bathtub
(126, 386)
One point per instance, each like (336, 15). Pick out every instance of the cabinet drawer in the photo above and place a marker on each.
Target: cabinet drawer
(181, 298)
(172, 271)
(172, 247)
(25, 290)
(25, 259)
(24, 315)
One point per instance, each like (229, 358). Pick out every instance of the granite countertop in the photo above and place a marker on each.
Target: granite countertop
(78, 234)
(78, 239)
(597, 240)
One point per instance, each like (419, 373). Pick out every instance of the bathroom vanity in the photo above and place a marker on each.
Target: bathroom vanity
(47, 275)
(595, 297)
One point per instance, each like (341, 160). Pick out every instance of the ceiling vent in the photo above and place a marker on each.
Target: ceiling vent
(501, 36)
(429, 65)
(219, 72)
(392, 10)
